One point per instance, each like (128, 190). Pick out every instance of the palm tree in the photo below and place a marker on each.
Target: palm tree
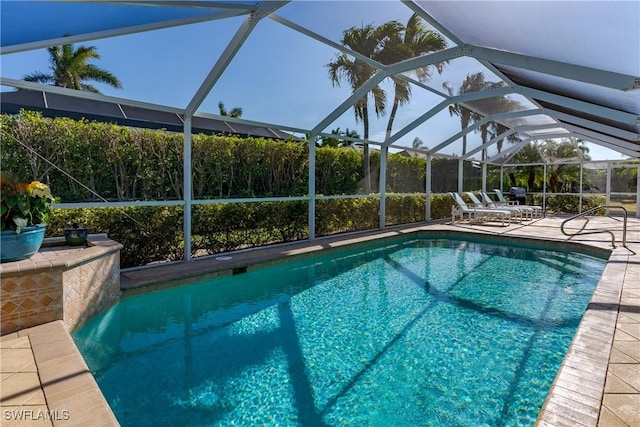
(512, 138)
(495, 105)
(472, 83)
(71, 69)
(336, 141)
(466, 117)
(532, 173)
(366, 41)
(491, 106)
(476, 83)
(417, 144)
(235, 112)
(405, 42)
(562, 175)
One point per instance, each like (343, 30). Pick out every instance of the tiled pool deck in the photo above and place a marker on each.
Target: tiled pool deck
(43, 374)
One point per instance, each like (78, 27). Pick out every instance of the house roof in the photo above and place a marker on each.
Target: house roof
(114, 111)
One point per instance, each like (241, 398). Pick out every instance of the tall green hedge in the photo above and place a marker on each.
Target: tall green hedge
(102, 160)
(106, 161)
(118, 163)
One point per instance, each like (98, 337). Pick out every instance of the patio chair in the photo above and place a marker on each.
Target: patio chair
(514, 214)
(476, 214)
(460, 209)
(525, 212)
(537, 210)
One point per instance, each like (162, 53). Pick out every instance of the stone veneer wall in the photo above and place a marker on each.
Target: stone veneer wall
(64, 283)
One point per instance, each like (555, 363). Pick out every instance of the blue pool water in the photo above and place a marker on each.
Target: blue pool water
(410, 333)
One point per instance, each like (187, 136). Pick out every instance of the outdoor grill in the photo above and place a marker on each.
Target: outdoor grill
(518, 194)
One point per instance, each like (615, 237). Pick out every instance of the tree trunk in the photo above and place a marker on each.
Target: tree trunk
(365, 152)
(392, 117)
(532, 178)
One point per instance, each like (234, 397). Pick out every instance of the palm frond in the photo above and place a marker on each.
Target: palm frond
(71, 69)
(39, 77)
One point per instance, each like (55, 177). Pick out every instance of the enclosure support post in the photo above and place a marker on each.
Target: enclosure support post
(186, 178)
(427, 189)
(608, 188)
(580, 200)
(501, 177)
(460, 176)
(638, 193)
(312, 187)
(384, 150)
(484, 177)
(544, 188)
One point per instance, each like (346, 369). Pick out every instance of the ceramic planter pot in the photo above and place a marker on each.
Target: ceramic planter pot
(15, 247)
(75, 236)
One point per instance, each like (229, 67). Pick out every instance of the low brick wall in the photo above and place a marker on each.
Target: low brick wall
(60, 282)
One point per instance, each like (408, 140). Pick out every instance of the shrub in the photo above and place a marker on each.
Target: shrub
(570, 203)
(405, 209)
(343, 215)
(441, 206)
(149, 234)
(230, 226)
(154, 234)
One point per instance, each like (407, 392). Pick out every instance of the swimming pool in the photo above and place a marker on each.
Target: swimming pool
(408, 332)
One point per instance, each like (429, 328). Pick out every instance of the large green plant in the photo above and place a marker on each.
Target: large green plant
(120, 163)
(154, 234)
(23, 204)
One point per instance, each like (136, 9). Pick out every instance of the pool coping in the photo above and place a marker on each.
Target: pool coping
(144, 280)
(575, 397)
(63, 376)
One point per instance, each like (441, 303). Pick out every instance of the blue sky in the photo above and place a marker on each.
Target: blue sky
(278, 76)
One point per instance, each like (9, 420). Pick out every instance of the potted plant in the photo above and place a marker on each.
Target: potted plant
(76, 235)
(24, 210)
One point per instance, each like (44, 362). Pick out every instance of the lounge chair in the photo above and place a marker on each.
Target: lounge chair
(476, 214)
(515, 213)
(526, 212)
(460, 209)
(537, 210)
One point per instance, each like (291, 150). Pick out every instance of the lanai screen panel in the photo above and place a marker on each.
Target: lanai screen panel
(545, 30)
(53, 20)
(548, 29)
(609, 34)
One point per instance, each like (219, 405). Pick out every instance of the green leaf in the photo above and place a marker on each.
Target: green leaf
(24, 206)
(11, 201)
(20, 223)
